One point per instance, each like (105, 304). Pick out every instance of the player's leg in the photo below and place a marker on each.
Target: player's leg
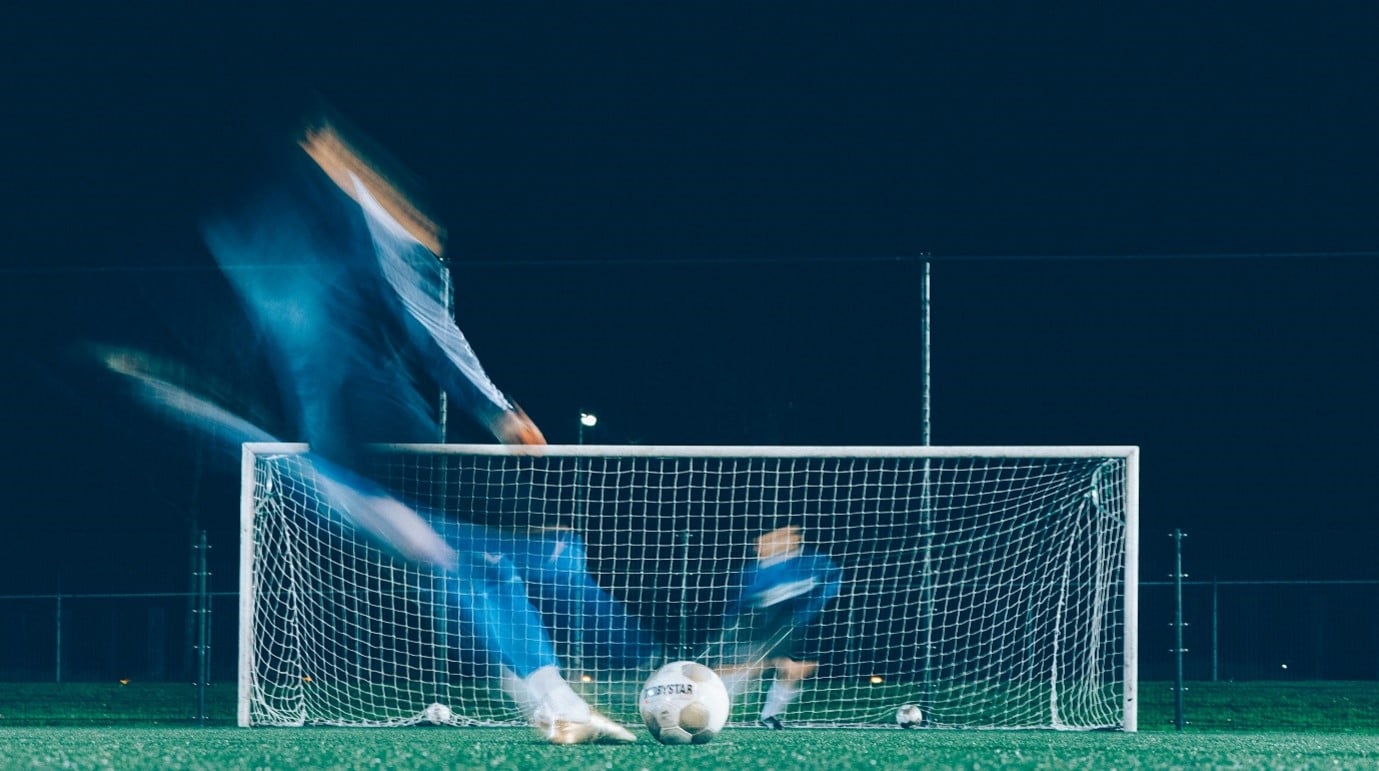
(602, 631)
(752, 630)
(491, 594)
(777, 600)
(786, 684)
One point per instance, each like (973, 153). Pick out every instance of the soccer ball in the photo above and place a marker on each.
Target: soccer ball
(684, 702)
(437, 714)
(909, 716)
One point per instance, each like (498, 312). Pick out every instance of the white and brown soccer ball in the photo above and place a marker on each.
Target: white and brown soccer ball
(684, 702)
(909, 716)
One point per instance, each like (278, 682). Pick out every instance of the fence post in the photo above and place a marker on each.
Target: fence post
(203, 612)
(1215, 629)
(1178, 649)
(57, 629)
(683, 646)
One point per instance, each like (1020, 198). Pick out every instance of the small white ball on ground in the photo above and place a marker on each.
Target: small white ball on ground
(909, 716)
(437, 714)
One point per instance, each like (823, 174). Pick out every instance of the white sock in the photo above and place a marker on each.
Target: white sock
(554, 698)
(520, 692)
(738, 680)
(779, 697)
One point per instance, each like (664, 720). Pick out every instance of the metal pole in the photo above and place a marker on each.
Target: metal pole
(448, 301)
(925, 404)
(57, 647)
(579, 476)
(1178, 721)
(927, 593)
(1215, 626)
(683, 645)
(581, 492)
(926, 503)
(582, 478)
(202, 629)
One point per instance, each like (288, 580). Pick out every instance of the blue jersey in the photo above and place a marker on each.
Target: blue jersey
(349, 305)
(773, 601)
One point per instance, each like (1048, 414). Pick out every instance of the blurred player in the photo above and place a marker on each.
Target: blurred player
(780, 591)
(338, 271)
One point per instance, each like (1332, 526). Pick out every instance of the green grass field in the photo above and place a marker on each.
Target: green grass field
(1232, 725)
(227, 748)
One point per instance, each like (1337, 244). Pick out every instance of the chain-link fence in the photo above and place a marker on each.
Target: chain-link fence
(1262, 630)
(105, 637)
(1234, 630)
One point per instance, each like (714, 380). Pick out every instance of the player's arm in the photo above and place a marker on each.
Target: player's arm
(338, 152)
(408, 242)
(514, 427)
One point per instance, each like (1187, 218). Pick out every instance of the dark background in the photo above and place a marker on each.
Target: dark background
(1151, 224)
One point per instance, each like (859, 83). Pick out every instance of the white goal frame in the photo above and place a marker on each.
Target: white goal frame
(1128, 510)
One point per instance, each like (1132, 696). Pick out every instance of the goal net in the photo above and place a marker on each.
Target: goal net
(995, 587)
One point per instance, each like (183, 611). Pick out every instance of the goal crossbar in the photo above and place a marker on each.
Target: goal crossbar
(730, 451)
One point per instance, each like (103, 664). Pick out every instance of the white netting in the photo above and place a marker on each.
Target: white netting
(986, 585)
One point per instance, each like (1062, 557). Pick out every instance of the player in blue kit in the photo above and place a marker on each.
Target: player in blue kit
(339, 273)
(779, 592)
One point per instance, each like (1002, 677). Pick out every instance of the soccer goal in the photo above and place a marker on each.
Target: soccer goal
(995, 587)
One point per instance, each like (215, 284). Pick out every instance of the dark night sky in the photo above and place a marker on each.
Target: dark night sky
(692, 218)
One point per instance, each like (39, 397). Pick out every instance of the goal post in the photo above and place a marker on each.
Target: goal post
(995, 587)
